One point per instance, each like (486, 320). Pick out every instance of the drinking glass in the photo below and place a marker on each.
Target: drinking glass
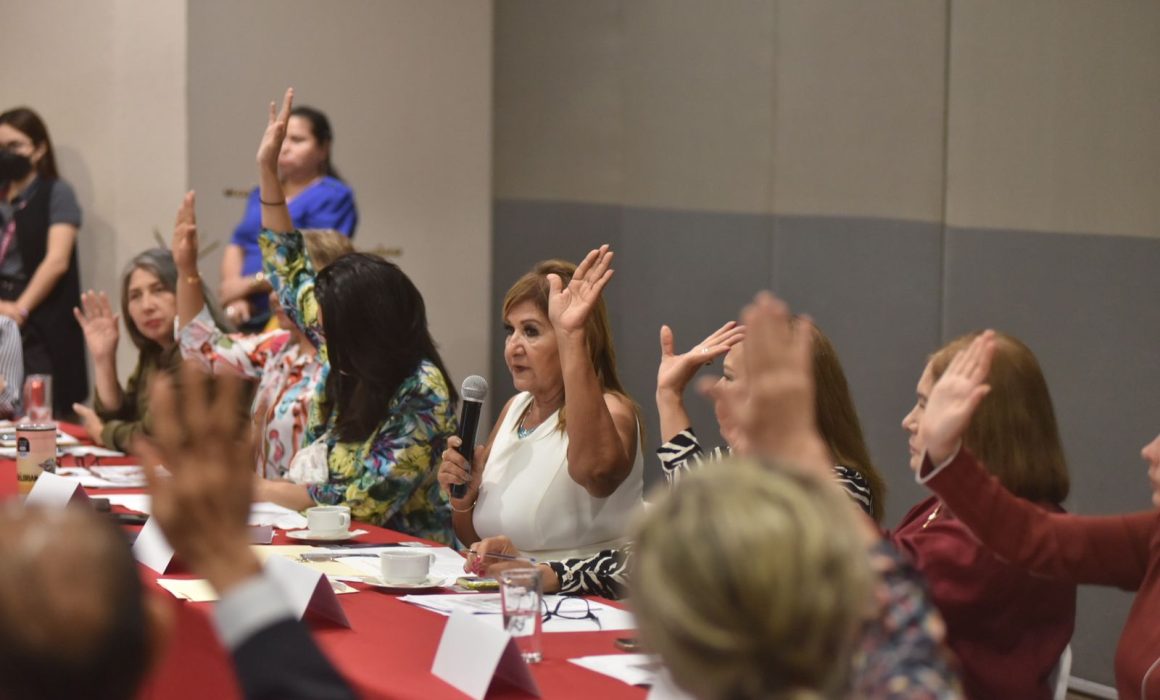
(38, 399)
(521, 593)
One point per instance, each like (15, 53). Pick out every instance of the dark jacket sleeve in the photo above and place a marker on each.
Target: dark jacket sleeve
(282, 662)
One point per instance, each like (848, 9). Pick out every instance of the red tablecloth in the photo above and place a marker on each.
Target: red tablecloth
(387, 652)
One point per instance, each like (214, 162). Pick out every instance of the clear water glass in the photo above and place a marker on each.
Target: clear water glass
(521, 594)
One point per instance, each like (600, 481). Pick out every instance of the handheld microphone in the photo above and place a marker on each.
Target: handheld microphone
(474, 391)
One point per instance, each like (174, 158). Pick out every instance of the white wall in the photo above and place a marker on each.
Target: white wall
(109, 79)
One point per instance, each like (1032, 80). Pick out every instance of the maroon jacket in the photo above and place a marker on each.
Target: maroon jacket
(1118, 550)
(1007, 626)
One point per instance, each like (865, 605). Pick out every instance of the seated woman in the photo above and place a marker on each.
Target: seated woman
(605, 573)
(1115, 550)
(560, 473)
(380, 420)
(1007, 626)
(283, 361)
(834, 408)
(149, 306)
(787, 602)
(318, 199)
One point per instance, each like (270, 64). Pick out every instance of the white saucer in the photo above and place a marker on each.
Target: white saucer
(315, 537)
(429, 582)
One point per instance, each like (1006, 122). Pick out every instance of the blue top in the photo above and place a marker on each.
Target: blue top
(328, 203)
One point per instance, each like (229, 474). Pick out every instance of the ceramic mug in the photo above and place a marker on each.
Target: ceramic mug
(328, 521)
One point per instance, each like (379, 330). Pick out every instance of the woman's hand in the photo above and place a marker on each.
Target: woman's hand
(676, 371)
(184, 244)
(955, 397)
(91, 422)
(271, 144)
(100, 324)
(455, 469)
(479, 563)
(569, 307)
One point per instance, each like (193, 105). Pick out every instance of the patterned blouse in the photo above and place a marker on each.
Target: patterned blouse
(286, 378)
(388, 479)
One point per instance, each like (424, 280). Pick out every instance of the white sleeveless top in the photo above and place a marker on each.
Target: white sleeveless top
(527, 494)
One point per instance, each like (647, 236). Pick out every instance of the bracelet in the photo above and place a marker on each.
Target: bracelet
(193, 279)
(259, 277)
(272, 204)
(468, 509)
(23, 312)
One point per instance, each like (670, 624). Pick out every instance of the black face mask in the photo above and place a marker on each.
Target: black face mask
(13, 166)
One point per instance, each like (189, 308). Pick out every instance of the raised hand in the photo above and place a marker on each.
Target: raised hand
(100, 324)
(184, 244)
(569, 306)
(779, 417)
(271, 144)
(955, 397)
(92, 423)
(204, 443)
(676, 371)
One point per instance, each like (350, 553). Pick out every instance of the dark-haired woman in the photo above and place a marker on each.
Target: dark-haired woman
(39, 282)
(149, 303)
(317, 198)
(383, 414)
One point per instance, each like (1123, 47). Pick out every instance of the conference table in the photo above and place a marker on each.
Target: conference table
(386, 653)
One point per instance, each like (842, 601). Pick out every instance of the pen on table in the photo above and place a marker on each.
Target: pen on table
(499, 555)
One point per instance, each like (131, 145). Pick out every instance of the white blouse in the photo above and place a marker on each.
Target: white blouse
(527, 494)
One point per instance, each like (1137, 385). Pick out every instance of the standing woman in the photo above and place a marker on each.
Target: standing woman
(317, 198)
(39, 280)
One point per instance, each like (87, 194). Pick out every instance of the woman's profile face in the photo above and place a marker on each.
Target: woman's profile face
(530, 350)
(16, 141)
(302, 156)
(1151, 455)
(152, 307)
(911, 421)
(732, 381)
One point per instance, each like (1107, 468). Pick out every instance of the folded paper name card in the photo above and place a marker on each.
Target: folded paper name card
(52, 491)
(151, 548)
(471, 653)
(306, 589)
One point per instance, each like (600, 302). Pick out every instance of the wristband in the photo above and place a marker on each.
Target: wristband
(272, 204)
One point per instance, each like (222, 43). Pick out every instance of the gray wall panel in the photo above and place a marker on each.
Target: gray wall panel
(873, 286)
(1086, 305)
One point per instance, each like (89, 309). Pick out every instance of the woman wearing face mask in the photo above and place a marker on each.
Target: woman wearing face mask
(149, 304)
(39, 282)
(1113, 550)
(318, 199)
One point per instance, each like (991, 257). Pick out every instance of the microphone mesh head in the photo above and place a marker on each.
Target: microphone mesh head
(474, 388)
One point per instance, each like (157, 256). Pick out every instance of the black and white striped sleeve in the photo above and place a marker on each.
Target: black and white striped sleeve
(604, 574)
(856, 487)
(682, 454)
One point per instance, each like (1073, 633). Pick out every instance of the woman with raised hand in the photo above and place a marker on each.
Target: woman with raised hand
(283, 361)
(383, 415)
(561, 472)
(149, 305)
(317, 198)
(836, 415)
(1007, 626)
(1115, 550)
(39, 275)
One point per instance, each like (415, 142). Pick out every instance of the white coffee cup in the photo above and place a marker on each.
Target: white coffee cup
(405, 565)
(328, 520)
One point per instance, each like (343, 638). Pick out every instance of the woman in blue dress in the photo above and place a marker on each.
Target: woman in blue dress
(318, 199)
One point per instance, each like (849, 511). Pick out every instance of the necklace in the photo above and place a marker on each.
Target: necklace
(933, 514)
(521, 431)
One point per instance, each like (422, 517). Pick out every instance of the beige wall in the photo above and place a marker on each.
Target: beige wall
(1038, 115)
(407, 87)
(109, 79)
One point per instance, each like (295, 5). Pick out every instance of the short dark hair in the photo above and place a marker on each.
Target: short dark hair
(31, 125)
(46, 658)
(375, 324)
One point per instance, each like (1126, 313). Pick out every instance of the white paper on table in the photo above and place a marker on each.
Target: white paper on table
(84, 478)
(306, 590)
(137, 502)
(91, 451)
(634, 669)
(266, 513)
(151, 548)
(488, 606)
(198, 590)
(471, 653)
(52, 491)
(664, 688)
